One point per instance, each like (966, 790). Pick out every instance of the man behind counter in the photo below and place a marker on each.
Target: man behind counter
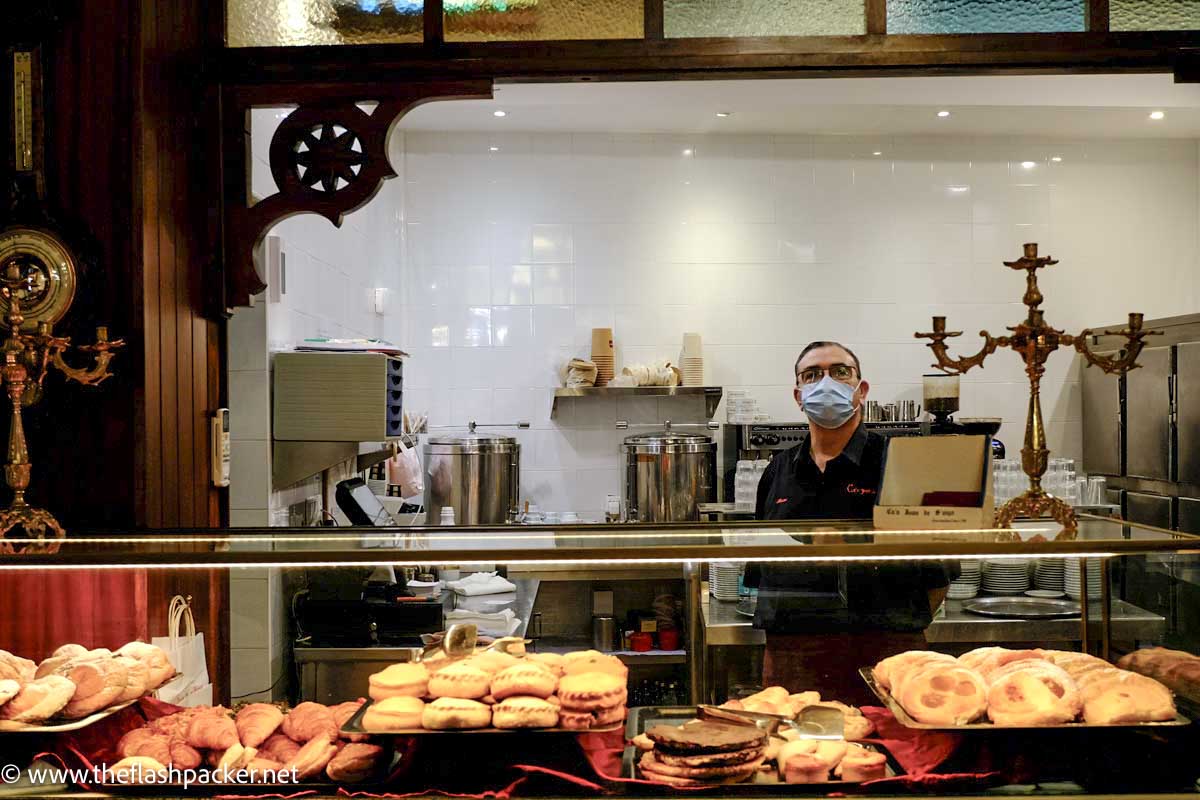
(824, 622)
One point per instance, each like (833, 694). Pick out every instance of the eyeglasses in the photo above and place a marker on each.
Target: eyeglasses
(839, 372)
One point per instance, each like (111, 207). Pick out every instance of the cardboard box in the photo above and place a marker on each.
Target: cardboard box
(918, 465)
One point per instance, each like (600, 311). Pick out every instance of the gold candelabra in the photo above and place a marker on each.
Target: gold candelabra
(1034, 340)
(37, 286)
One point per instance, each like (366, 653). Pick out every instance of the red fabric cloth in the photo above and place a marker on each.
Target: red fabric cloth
(44, 609)
(918, 751)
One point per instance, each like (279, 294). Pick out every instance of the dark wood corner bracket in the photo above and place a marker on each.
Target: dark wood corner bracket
(328, 157)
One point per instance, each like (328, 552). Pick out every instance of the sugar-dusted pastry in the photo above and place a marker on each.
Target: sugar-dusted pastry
(137, 679)
(256, 722)
(460, 680)
(889, 669)
(50, 666)
(309, 721)
(14, 667)
(809, 760)
(1116, 696)
(39, 700)
(312, 758)
(98, 684)
(355, 763)
(343, 713)
(454, 713)
(137, 769)
(69, 650)
(861, 764)
(399, 680)
(8, 690)
(943, 694)
(591, 690)
(278, 747)
(154, 657)
(394, 714)
(524, 712)
(212, 729)
(917, 662)
(986, 660)
(1032, 693)
(524, 679)
(552, 661)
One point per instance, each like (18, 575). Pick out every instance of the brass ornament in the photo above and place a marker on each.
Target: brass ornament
(1034, 340)
(37, 287)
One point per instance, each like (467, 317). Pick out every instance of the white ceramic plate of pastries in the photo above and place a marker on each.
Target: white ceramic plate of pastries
(54, 725)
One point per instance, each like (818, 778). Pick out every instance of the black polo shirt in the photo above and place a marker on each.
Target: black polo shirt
(802, 599)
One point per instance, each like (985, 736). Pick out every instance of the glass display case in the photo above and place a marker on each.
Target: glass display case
(319, 653)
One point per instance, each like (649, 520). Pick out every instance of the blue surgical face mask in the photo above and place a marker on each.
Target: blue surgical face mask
(827, 402)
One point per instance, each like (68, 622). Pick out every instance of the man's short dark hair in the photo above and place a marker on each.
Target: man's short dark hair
(808, 348)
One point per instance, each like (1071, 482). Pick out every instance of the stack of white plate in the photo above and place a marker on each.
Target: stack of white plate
(1048, 574)
(1071, 582)
(967, 585)
(1006, 576)
(723, 580)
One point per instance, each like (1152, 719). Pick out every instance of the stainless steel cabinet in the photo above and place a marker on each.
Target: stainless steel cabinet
(1101, 395)
(1148, 416)
(1187, 405)
(1148, 509)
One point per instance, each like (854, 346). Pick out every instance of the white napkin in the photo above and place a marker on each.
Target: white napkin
(501, 623)
(481, 583)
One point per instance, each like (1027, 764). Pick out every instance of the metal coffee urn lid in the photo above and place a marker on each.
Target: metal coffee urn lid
(471, 443)
(667, 442)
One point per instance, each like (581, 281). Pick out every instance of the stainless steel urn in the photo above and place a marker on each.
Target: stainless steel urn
(667, 474)
(478, 475)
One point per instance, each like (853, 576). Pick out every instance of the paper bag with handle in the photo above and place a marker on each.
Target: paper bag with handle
(185, 648)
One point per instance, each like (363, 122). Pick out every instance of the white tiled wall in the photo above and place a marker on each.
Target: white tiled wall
(763, 243)
(499, 261)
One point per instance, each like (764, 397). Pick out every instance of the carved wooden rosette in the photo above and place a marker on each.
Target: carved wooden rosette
(327, 157)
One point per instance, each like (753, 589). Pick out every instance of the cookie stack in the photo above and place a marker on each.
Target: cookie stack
(703, 753)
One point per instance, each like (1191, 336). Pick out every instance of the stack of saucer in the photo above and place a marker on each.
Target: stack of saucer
(1072, 584)
(723, 580)
(967, 585)
(1006, 576)
(1048, 574)
(691, 360)
(602, 354)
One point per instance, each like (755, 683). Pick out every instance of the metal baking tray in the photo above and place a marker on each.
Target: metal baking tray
(62, 726)
(1022, 607)
(868, 675)
(645, 717)
(353, 727)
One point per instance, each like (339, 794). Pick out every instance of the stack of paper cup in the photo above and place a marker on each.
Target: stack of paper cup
(691, 360)
(602, 354)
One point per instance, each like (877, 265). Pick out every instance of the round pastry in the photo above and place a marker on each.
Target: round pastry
(608, 716)
(552, 661)
(715, 759)
(654, 768)
(8, 690)
(161, 669)
(986, 660)
(524, 679)
(887, 670)
(460, 680)
(399, 680)
(1115, 696)
(575, 720)
(775, 695)
(525, 712)
(861, 764)
(763, 707)
(137, 680)
(1032, 693)
(50, 666)
(98, 684)
(492, 661)
(436, 661)
(590, 691)
(809, 760)
(454, 713)
(642, 742)
(393, 714)
(912, 664)
(598, 662)
(69, 650)
(943, 694)
(856, 727)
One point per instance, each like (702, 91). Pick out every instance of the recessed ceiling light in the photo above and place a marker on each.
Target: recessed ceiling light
(687, 152)
(494, 149)
(1056, 159)
(1157, 115)
(943, 113)
(877, 153)
(959, 188)
(1028, 164)
(499, 113)
(723, 114)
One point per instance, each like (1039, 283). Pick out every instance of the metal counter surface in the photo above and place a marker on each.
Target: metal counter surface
(723, 626)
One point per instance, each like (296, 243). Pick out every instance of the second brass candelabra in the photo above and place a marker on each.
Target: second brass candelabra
(1034, 340)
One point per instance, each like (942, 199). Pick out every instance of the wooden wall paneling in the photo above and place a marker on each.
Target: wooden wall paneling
(1097, 15)
(876, 11)
(652, 16)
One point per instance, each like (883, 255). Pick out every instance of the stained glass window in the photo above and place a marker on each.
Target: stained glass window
(984, 16)
(274, 23)
(546, 20)
(1154, 15)
(689, 18)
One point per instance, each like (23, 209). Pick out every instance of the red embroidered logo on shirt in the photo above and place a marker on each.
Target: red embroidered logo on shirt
(852, 489)
(781, 501)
